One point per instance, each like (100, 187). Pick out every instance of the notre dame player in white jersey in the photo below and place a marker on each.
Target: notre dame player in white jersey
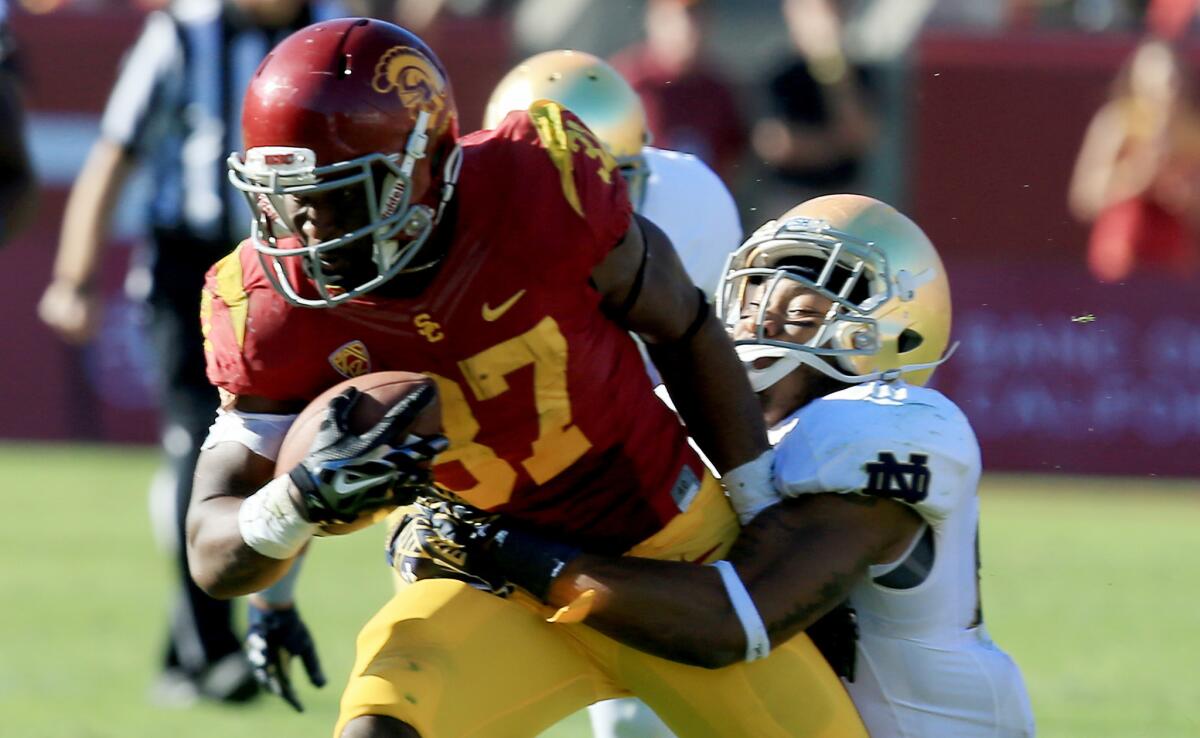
(841, 311)
(845, 293)
(677, 191)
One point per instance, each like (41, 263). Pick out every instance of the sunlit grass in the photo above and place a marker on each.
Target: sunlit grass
(1088, 583)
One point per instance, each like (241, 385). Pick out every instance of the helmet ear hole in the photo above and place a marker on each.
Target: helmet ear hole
(909, 340)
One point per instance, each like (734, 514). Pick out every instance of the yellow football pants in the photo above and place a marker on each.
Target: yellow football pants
(455, 662)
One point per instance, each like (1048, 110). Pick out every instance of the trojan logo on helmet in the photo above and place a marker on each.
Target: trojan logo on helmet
(416, 80)
(356, 114)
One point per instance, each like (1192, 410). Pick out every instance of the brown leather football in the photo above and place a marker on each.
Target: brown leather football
(380, 390)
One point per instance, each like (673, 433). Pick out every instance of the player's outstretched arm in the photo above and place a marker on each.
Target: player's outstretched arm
(646, 289)
(790, 566)
(797, 561)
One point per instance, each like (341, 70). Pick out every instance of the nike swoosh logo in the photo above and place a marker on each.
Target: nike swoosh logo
(490, 314)
(344, 487)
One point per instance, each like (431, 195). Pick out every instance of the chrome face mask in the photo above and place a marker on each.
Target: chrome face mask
(396, 229)
(847, 329)
(271, 175)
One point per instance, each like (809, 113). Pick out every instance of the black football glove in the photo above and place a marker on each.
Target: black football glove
(273, 638)
(345, 475)
(435, 539)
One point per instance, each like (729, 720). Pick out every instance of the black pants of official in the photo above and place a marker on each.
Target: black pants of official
(201, 628)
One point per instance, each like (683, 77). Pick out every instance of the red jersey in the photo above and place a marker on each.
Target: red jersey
(546, 402)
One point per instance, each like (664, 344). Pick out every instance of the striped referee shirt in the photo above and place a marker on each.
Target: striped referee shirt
(177, 104)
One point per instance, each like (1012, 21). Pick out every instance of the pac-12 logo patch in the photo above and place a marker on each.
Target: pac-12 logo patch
(415, 79)
(351, 359)
(890, 477)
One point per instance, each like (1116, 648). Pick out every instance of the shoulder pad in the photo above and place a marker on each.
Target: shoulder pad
(905, 443)
(274, 360)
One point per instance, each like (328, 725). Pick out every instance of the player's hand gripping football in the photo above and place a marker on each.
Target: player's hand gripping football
(272, 639)
(436, 539)
(345, 474)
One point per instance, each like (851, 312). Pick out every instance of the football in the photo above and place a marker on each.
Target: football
(380, 390)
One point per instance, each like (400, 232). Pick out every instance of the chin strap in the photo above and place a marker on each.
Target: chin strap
(789, 360)
(786, 362)
(450, 174)
(417, 141)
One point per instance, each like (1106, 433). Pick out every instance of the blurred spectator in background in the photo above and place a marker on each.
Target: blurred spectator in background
(690, 105)
(1137, 177)
(1170, 19)
(821, 128)
(415, 15)
(999, 15)
(176, 106)
(18, 189)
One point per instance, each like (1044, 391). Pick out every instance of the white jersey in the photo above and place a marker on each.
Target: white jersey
(926, 666)
(694, 208)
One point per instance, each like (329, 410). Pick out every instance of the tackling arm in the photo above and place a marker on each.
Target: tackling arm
(686, 342)
(797, 560)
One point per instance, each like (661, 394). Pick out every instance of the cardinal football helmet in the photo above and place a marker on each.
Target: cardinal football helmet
(890, 312)
(350, 103)
(591, 89)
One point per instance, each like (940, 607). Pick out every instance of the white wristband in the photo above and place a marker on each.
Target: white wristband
(758, 645)
(271, 524)
(750, 488)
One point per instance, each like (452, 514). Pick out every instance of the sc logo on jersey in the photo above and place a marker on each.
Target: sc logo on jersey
(427, 327)
(890, 477)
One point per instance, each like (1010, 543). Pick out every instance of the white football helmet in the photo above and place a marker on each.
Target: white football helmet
(590, 88)
(890, 312)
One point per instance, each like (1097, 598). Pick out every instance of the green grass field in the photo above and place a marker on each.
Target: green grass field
(1089, 584)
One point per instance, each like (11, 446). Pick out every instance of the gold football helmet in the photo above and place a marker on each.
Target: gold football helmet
(590, 88)
(890, 312)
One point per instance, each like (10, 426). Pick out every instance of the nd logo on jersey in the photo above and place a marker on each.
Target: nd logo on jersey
(890, 477)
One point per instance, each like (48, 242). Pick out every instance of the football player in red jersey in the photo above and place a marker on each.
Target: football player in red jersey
(508, 267)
